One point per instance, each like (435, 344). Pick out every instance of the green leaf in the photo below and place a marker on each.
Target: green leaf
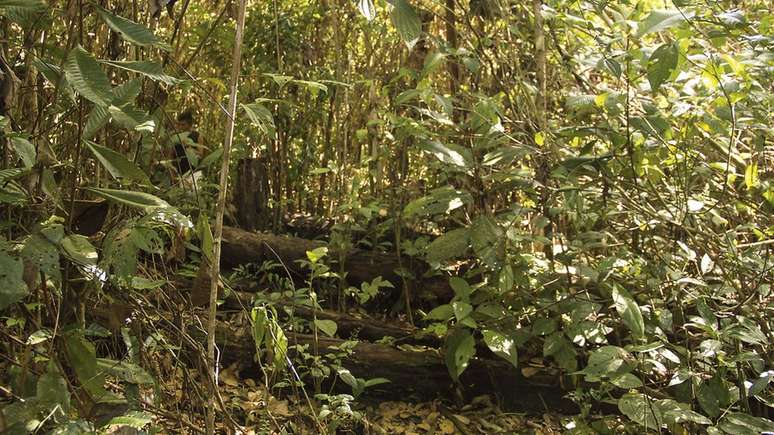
(452, 244)
(502, 346)
(82, 357)
(367, 9)
(438, 201)
(52, 391)
(44, 254)
(260, 117)
(131, 198)
(751, 175)
(450, 154)
(661, 19)
(460, 348)
(31, 5)
(739, 423)
(661, 64)
(87, 78)
(462, 289)
(12, 286)
(608, 362)
(327, 326)
(152, 70)
(461, 310)
(629, 311)
(260, 322)
(25, 150)
(406, 22)
(80, 249)
(442, 312)
(488, 241)
(676, 413)
(128, 116)
(133, 419)
(125, 371)
(116, 164)
(135, 33)
(641, 409)
(97, 119)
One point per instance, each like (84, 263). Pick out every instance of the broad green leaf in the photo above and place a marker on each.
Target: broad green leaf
(751, 175)
(460, 348)
(152, 70)
(450, 154)
(125, 371)
(32, 5)
(327, 326)
(133, 419)
(82, 357)
(406, 22)
(462, 289)
(260, 117)
(676, 413)
(44, 254)
(502, 346)
(739, 423)
(12, 286)
(452, 244)
(130, 117)
(97, 119)
(661, 64)
(627, 381)
(461, 310)
(438, 201)
(488, 242)
(367, 9)
(87, 78)
(52, 391)
(608, 362)
(80, 249)
(661, 19)
(641, 409)
(135, 33)
(25, 150)
(629, 311)
(130, 197)
(260, 323)
(442, 312)
(116, 164)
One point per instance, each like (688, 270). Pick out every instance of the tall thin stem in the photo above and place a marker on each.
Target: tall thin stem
(221, 206)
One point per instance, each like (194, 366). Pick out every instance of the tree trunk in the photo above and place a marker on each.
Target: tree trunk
(242, 247)
(420, 375)
(252, 194)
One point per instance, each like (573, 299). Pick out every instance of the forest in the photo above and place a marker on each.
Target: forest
(386, 217)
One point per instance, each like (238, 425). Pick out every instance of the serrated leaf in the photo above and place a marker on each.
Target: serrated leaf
(661, 64)
(130, 197)
(460, 348)
(152, 70)
(135, 33)
(116, 164)
(87, 78)
(406, 22)
(502, 346)
(661, 19)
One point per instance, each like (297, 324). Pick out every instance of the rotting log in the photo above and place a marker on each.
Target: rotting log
(418, 374)
(242, 247)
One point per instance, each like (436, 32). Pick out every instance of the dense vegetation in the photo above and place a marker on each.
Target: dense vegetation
(576, 196)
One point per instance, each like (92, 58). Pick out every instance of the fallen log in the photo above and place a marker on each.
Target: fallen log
(241, 247)
(417, 374)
